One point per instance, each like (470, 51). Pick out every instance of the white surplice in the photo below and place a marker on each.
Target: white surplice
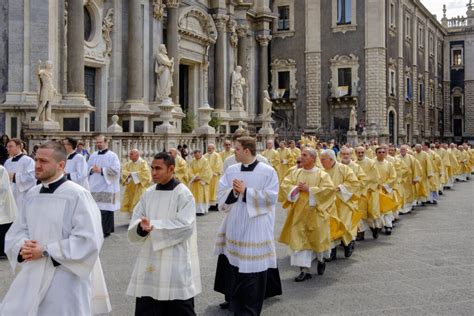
(167, 267)
(67, 224)
(7, 201)
(24, 170)
(246, 235)
(76, 169)
(105, 186)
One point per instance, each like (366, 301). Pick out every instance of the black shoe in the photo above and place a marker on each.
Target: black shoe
(224, 305)
(423, 204)
(440, 192)
(200, 214)
(349, 249)
(375, 232)
(303, 276)
(333, 255)
(388, 231)
(213, 208)
(106, 235)
(321, 267)
(360, 236)
(435, 202)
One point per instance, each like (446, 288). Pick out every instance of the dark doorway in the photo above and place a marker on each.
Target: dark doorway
(391, 126)
(89, 86)
(184, 87)
(457, 127)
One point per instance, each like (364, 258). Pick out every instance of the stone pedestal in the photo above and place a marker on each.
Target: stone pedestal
(372, 134)
(352, 138)
(45, 126)
(238, 113)
(204, 118)
(266, 128)
(166, 107)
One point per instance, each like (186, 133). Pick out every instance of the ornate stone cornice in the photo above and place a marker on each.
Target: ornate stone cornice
(173, 4)
(107, 26)
(208, 26)
(242, 30)
(263, 39)
(158, 9)
(221, 21)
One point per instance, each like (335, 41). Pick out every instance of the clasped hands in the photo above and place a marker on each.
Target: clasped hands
(145, 224)
(31, 250)
(302, 187)
(96, 169)
(238, 186)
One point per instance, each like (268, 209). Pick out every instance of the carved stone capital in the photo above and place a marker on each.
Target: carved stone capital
(242, 30)
(221, 21)
(173, 4)
(263, 39)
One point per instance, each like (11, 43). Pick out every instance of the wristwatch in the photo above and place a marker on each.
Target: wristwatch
(44, 253)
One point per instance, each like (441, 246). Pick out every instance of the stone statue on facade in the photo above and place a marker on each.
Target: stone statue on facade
(164, 68)
(353, 119)
(266, 107)
(46, 91)
(237, 90)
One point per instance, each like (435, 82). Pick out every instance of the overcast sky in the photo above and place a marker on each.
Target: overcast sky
(453, 7)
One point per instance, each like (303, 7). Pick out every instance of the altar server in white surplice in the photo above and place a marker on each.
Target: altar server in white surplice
(247, 270)
(166, 275)
(76, 165)
(21, 170)
(104, 182)
(53, 246)
(7, 208)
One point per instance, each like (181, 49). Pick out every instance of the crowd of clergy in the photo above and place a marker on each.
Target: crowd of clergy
(58, 207)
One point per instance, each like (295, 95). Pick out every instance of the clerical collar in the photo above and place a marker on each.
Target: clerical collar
(249, 167)
(103, 152)
(50, 187)
(310, 170)
(169, 186)
(17, 157)
(71, 155)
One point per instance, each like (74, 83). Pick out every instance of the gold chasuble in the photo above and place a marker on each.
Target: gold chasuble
(443, 154)
(370, 201)
(295, 152)
(286, 161)
(347, 200)
(200, 175)
(226, 154)
(360, 212)
(388, 180)
(435, 180)
(423, 187)
(307, 222)
(273, 158)
(216, 164)
(410, 170)
(136, 178)
(181, 170)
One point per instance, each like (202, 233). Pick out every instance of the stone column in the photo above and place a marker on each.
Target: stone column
(242, 33)
(220, 62)
(263, 41)
(75, 49)
(172, 44)
(135, 53)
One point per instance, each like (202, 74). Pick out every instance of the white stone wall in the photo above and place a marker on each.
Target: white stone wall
(313, 90)
(376, 89)
(401, 101)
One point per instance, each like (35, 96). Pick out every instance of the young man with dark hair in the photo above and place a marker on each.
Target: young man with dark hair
(166, 276)
(76, 164)
(54, 243)
(248, 192)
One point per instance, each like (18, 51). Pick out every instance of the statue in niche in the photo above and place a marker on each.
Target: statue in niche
(237, 89)
(353, 119)
(266, 107)
(164, 68)
(46, 91)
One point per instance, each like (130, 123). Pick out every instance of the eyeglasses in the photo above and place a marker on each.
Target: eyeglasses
(298, 162)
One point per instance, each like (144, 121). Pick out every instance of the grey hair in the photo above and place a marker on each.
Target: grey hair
(311, 151)
(330, 153)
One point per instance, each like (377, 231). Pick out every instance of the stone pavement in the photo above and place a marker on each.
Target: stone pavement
(425, 268)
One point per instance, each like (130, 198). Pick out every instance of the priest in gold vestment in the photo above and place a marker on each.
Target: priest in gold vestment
(286, 160)
(181, 167)
(423, 186)
(216, 164)
(347, 200)
(272, 155)
(228, 150)
(136, 178)
(311, 196)
(410, 171)
(200, 174)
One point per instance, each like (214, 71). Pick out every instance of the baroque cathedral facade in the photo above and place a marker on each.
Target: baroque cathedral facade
(405, 72)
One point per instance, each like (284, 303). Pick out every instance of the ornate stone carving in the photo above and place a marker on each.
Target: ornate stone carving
(164, 74)
(237, 90)
(197, 25)
(173, 3)
(344, 61)
(107, 26)
(267, 105)
(233, 38)
(158, 9)
(353, 119)
(263, 39)
(242, 30)
(221, 21)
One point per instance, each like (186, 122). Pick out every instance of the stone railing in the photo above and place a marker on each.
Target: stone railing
(148, 144)
(456, 22)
